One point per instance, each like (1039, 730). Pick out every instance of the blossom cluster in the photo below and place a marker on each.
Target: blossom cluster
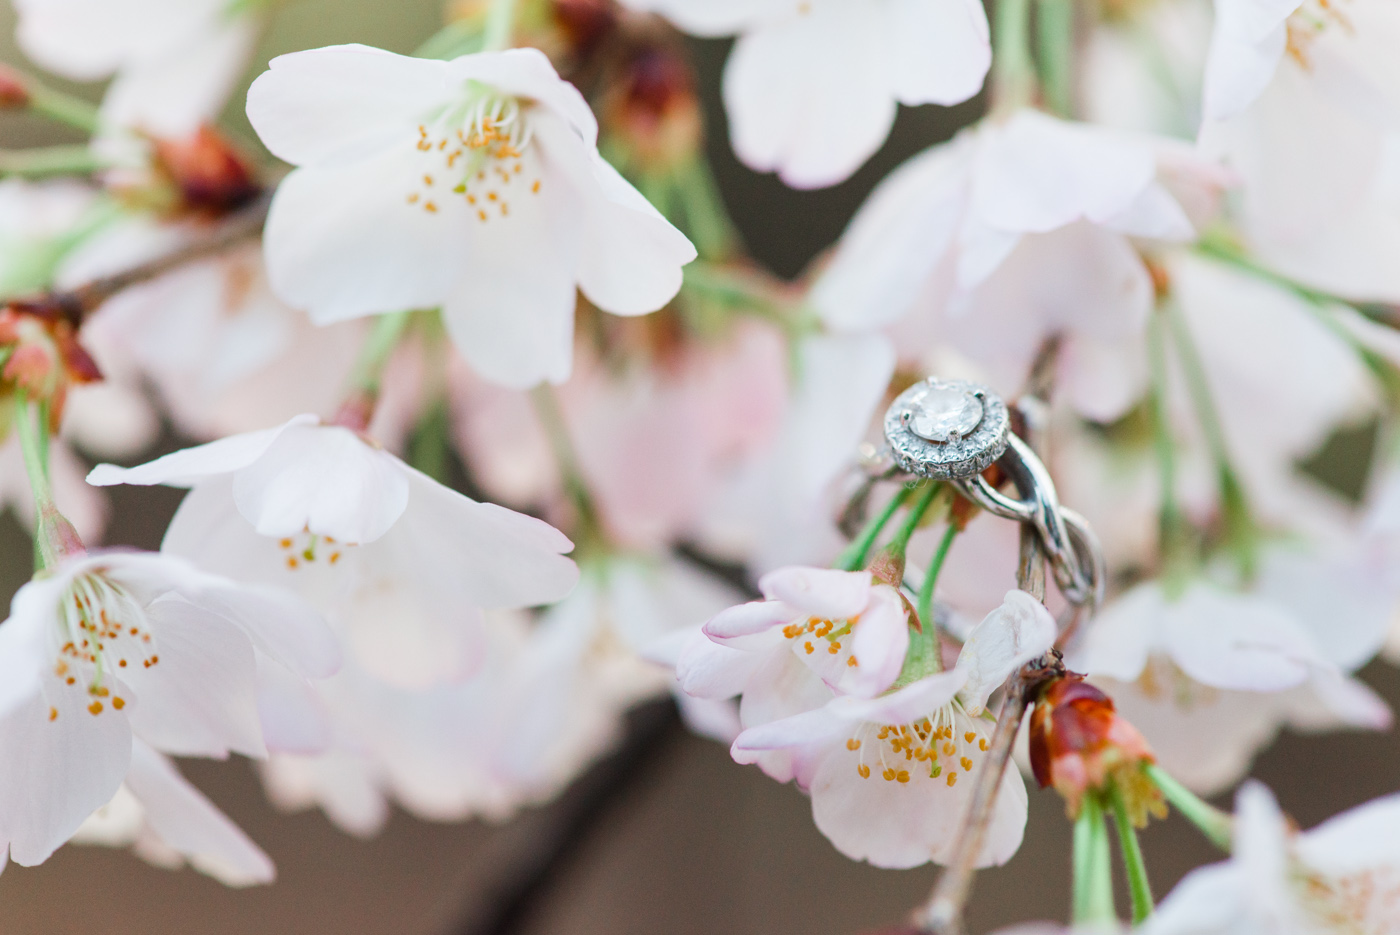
(491, 429)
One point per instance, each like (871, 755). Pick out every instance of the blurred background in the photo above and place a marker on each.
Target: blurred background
(686, 841)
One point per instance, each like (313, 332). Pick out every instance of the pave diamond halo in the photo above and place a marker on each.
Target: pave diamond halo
(947, 429)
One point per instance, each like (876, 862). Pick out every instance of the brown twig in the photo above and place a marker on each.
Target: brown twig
(76, 304)
(942, 914)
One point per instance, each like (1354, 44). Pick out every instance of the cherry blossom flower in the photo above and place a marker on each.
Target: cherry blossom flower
(175, 61)
(114, 646)
(1011, 232)
(655, 437)
(403, 564)
(884, 773)
(846, 627)
(545, 704)
(431, 750)
(772, 509)
(791, 112)
(474, 185)
(1211, 675)
(166, 822)
(1340, 876)
(224, 354)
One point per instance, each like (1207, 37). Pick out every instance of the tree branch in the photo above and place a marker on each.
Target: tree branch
(75, 305)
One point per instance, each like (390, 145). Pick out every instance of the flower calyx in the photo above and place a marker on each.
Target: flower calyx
(211, 176)
(1080, 745)
(41, 354)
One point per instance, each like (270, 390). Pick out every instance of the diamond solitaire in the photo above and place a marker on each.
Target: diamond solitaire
(942, 412)
(946, 429)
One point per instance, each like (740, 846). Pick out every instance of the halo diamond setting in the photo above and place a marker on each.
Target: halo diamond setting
(947, 429)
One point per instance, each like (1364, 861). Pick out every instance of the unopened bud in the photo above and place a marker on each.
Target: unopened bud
(1079, 743)
(14, 90)
(654, 109)
(584, 23)
(210, 174)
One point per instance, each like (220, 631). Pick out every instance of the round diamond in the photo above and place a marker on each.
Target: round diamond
(942, 413)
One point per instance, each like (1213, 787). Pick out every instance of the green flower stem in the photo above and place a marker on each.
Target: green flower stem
(1055, 45)
(706, 219)
(1319, 303)
(459, 37)
(1013, 72)
(50, 160)
(854, 555)
(1211, 821)
(590, 534)
(1171, 523)
(924, 607)
(1139, 888)
(1239, 525)
(378, 348)
(31, 422)
(900, 541)
(65, 108)
(1092, 901)
(500, 23)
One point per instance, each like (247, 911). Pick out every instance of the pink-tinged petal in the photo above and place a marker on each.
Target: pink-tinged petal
(1333, 699)
(324, 480)
(1359, 839)
(1204, 737)
(510, 310)
(713, 17)
(631, 257)
(89, 39)
(200, 698)
(279, 624)
(406, 633)
(498, 558)
(1233, 641)
(1036, 173)
(293, 718)
(818, 592)
(1153, 214)
(842, 379)
(24, 649)
(72, 764)
(879, 644)
(1010, 636)
(1208, 901)
(188, 822)
(782, 687)
(791, 112)
(343, 101)
(709, 717)
(910, 703)
(173, 94)
(185, 467)
(939, 51)
(895, 242)
(354, 239)
(344, 784)
(797, 731)
(527, 73)
(1259, 846)
(1245, 48)
(749, 619)
(709, 670)
(895, 824)
(1117, 640)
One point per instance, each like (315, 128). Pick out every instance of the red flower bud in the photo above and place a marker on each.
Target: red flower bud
(14, 90)
(211, 175)
(1078, 743)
